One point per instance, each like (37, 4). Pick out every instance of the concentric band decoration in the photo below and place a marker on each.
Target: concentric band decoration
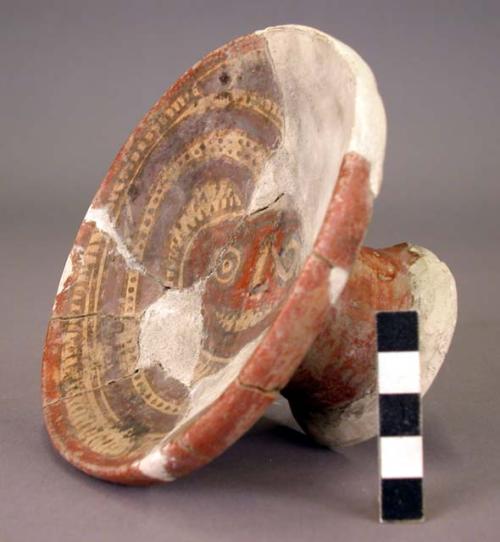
(224, 228)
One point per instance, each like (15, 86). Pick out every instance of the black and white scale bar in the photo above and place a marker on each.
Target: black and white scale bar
(400, 417)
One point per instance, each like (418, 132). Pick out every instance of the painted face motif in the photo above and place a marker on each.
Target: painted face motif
(249, 281)
(249, 263)
(246, 262)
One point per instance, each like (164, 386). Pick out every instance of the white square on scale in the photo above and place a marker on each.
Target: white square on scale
(401, 457)
(398, 372)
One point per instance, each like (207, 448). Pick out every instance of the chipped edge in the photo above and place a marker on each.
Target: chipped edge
(153, 465)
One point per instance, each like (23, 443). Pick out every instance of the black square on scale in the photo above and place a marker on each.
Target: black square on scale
(397, 331)
(401, 500)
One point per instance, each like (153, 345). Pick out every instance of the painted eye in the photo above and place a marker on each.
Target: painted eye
(286, 259)
(228, 266)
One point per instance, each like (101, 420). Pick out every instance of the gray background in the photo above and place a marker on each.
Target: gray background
(75, 77)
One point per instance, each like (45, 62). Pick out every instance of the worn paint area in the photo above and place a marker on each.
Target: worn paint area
(333, 394)
(171, 331)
